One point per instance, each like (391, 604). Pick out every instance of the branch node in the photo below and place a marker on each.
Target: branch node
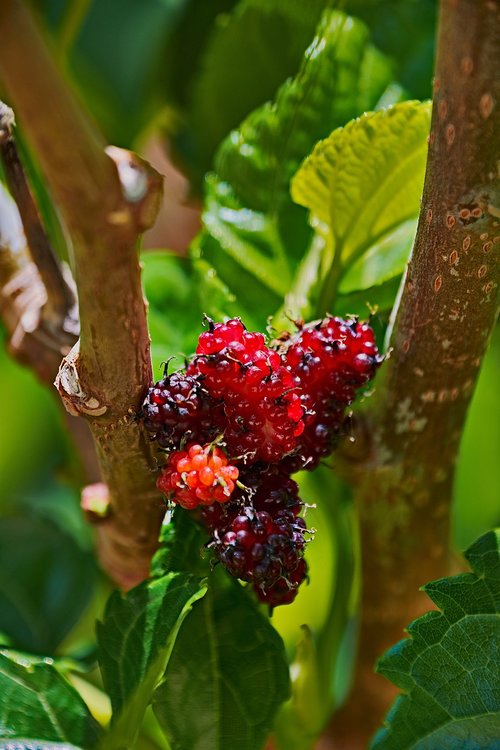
(142, 188)
(74, 398)
(95, 501)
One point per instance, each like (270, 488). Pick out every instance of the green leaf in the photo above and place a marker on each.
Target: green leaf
(226, 677)
(273, 35)
(36, 701)
(174, 314)
(181, 548)
(255, 237)
(449, 668)
(362, 186)
(46, 581)
(406, 33)
(122, 96)
(135, 641)
(478, 468)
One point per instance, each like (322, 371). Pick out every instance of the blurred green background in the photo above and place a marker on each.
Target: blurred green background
(175, 75)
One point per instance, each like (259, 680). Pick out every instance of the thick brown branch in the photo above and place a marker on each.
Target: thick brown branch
(107, 200)
(444, 320)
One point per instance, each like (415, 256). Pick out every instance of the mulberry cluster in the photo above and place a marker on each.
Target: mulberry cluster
(243, 417)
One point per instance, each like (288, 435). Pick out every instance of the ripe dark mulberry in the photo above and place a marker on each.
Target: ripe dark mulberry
(255, 546)
(284, 590)
(178, 408)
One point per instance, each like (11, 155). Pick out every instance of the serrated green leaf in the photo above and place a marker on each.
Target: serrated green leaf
(46, 581)
(255, 237)
(37, 701)
(135, 641)
(174, 314)
(449, 667)
(363, 184)
(228, 653)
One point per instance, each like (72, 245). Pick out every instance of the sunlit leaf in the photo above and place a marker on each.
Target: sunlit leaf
(362, 186)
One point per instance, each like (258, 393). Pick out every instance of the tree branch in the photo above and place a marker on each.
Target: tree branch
(446, 313)
(107, 199)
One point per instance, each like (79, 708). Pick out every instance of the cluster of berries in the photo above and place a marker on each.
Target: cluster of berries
(239, 420)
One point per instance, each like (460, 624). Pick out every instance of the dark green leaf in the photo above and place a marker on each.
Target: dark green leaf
(121, 73)
(174, 312)
(226, 677)
(181, 548)
(255, 237)
(25, 401)
(449, 667)
(405, 31)
(46, 581)
(135, 641)
(273, 35)
(36, 701)
(378, 298)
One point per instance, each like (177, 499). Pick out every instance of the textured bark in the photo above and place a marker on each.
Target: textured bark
(107, 198)
(446, 313)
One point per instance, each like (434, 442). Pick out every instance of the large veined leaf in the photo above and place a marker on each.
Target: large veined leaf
(227, 674)
(362, 186)
(255, 237)
(36, 701)
(449, 667)
(135, 641)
